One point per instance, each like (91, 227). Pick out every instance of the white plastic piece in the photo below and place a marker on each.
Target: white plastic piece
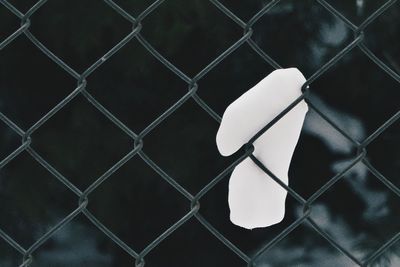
(255, 199)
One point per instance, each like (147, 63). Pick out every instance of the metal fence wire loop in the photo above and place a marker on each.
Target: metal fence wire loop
(139, 262)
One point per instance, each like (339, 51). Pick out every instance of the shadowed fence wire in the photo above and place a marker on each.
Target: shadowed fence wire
(137, 151)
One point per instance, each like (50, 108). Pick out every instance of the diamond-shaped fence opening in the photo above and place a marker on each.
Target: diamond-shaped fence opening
(51, 27)
(136, 100)
(88, 47)
(30, 74)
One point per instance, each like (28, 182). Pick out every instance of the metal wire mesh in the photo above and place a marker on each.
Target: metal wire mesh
(194, 200)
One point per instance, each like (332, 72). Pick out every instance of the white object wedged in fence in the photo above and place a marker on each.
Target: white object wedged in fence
(255, 199)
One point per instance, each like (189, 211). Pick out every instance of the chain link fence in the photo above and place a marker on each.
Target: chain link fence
(138, 257)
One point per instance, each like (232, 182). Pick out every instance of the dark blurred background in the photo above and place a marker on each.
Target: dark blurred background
(359, 212)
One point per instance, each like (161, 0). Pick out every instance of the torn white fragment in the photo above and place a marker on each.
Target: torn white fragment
(255, 199)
